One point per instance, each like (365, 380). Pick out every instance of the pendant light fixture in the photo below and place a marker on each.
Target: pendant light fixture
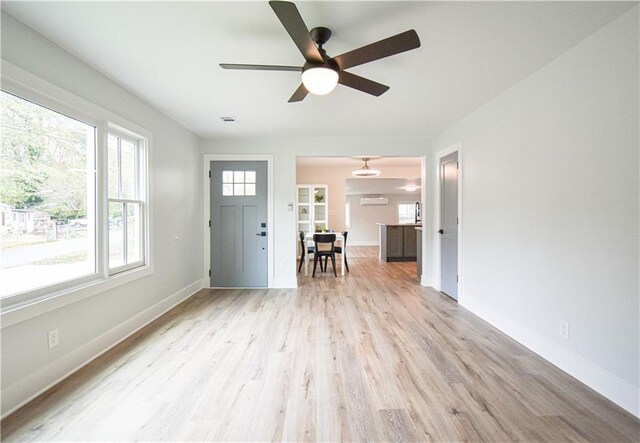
(365, 171)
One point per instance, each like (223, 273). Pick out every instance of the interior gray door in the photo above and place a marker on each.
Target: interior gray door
(449, 225)
(239, 224)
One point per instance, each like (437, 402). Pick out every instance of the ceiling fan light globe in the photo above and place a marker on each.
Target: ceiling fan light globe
(320, 80)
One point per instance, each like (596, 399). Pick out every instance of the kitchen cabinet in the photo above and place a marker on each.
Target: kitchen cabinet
(398, 242)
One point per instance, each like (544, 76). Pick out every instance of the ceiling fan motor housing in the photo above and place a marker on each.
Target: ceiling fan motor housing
(320, 35)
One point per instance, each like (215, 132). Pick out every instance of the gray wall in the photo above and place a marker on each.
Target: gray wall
(550, 210)
(27, 364)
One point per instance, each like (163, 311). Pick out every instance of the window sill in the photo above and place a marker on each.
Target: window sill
(12, 315)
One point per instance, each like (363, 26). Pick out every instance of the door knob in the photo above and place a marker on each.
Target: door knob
(440, 231)
(261, 234)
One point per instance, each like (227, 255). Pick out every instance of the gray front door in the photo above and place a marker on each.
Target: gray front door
(449, 225)
(239, 224)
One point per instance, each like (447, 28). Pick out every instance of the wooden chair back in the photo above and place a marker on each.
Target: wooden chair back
(324, 242)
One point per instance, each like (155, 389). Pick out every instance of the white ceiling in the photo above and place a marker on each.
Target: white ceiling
(168, 54)
(356, 162)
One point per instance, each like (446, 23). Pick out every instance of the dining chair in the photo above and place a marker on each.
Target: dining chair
(304, 250)
(341, 250)
(324, 247)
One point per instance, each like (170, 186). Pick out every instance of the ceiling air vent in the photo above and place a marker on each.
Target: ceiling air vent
(229, 119)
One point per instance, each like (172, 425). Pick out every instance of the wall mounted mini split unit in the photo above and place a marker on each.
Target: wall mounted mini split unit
(374, 201)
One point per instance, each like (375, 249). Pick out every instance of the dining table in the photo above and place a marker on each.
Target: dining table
(308, 240)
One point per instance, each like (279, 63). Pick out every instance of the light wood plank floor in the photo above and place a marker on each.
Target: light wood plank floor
(368, 357)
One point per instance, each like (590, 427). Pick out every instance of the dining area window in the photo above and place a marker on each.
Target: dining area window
(406, 213)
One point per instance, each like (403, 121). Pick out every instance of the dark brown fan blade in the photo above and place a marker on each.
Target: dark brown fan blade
(260, 67)
(362, 84)
(293, 23)
(375, 51)
(299, 95)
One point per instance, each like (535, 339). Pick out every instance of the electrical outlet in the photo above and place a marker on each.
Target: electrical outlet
(54, 338)
(564, 329)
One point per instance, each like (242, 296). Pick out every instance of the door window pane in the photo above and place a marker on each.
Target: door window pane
(47, 187)
(238, 183)
(238, 189)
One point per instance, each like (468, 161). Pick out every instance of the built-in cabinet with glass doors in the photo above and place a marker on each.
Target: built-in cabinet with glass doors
(312, 207)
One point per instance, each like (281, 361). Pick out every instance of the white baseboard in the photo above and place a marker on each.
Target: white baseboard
(276, 283)
(284, 283)
(619, 391)
(25, 390)
(363, 243)
(425, 281)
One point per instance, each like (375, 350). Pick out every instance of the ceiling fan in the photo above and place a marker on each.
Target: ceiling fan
(321, 73)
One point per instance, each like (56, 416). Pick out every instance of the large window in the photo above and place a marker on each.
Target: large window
(68, 216)
(126, 210)
(47, 189)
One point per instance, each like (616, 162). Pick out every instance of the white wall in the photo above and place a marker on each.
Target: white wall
(89, 326)
(335, 178)
(285, 151)
(550, 210)
(365, 218)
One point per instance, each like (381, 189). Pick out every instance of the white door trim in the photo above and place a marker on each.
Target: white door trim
(206, 210)
(457, 147)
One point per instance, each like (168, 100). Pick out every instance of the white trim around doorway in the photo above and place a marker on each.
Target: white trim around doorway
(457, 147)
(206, 210)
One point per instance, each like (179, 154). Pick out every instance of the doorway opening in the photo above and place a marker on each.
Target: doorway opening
(379, 213)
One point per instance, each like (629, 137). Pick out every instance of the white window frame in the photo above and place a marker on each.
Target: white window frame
(29, 304)
(140, 168)
(398, 211)
(347, 214)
